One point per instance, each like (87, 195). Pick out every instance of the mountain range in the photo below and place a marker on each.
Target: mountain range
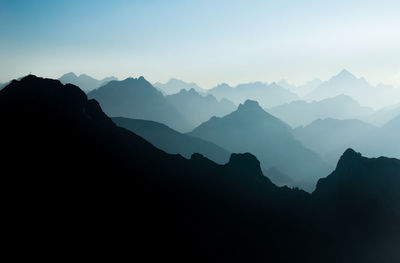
(330, 137)
(198, 108)
(251, 129)
(267, 95)
(72, 175)
(175, 85)
(138, 99)
(358, 88)
(301, 113)
(171, 141)
(85, 82)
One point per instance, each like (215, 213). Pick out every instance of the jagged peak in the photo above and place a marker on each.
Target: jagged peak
(250, 105)
(344, 74)
(70, 75)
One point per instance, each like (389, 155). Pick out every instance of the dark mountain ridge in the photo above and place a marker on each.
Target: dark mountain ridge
(251, 129)
(73, 177)
(138, 99)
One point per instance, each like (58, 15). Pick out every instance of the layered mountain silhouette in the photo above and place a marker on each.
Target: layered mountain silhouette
(138, 99)
(171, 141)
(198, 108)
(267, 95)
(175, 85)
(84, 81)
(300, 112)
(384, 115)
(251, 129)
(301, 90)
(72, 175)
(358, 88)
(383, 141)
(331, 137)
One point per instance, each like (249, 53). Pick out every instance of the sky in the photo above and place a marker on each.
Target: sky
(208, 42)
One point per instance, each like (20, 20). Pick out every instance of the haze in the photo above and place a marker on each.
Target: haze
(202, 41)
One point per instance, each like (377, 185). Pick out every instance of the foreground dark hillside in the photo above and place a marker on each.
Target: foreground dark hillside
(76, 182)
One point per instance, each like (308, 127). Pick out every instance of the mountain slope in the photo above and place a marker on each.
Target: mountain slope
(267, 95)
(331, 137)
(73, 176)
(138, 99)
(251, 129)
(174, 86)
(357, 88)
(340, 107)
(171, 141)
(198, 109)
(84, 81)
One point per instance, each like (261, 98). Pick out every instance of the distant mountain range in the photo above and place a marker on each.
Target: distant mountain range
(330, 137)
(175, 85)
(251, 129)
(301, 90)
(138, 99)
(84, 81)
(198, 108)
(267, 95)
(299, 113)
(358, 88)
(384, 115)
(173, 142)
(72, 174)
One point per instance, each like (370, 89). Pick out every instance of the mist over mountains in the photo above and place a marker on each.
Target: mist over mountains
(85, 82)
(267, 95)
(300, 113)
(76, 175)
(358, 88)
(251, 129)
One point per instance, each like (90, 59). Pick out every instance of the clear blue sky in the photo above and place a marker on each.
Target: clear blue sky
(203, 41)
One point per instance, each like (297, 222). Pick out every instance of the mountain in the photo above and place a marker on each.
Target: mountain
(197, 108)
(301, 90)
(384, 115)
(73, 176)
(267, 95)
(384, 141)
(171, 141)
(364, 204)
(299, 112)
(251, 129)
(358, 88)
(138, 99)
(175, 85)
(330, 137)
(84, 81)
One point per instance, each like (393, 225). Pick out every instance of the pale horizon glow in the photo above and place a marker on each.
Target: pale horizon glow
(203, 42)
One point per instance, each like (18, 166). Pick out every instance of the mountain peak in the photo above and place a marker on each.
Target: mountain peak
(345, 74)
(250, 105)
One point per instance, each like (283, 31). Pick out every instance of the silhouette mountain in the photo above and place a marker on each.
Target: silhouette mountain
(301, 90)
(171, 141)
(384, 115)
(73, 176)
(174, 86)
(267, 95)
(138, 99)
(251, 129)
(330, 137)
(341, 107)
(84, 81)
(198, 109)
(358, 88)
(364, 203)
(384, 141)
